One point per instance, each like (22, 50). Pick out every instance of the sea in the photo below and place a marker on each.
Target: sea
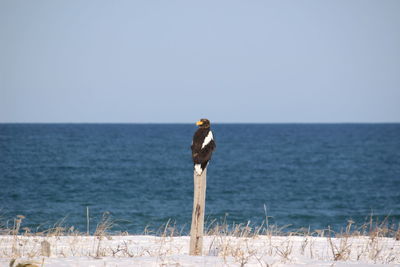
(293, 176)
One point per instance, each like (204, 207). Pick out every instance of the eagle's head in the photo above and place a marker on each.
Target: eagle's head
(203, 123)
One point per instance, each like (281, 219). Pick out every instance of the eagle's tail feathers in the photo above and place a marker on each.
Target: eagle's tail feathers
(198, 169)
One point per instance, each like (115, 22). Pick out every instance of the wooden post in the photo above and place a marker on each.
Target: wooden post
(199, 204)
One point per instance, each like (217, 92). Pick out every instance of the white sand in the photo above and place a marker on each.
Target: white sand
(218, 251)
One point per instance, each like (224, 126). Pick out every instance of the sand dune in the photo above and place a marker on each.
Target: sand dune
(260, 250)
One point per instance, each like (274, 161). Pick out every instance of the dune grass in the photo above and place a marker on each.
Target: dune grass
(264, 245)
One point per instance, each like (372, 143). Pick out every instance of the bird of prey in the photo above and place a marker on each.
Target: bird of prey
(202, 146)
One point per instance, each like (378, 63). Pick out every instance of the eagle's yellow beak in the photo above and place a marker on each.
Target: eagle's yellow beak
(199, 123)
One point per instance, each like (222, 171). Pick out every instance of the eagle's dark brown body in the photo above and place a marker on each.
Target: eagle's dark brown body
(202, 146)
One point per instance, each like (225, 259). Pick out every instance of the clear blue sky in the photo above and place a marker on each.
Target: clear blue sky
(177, 61)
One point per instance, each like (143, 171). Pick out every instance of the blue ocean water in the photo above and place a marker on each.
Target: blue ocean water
(307, 175)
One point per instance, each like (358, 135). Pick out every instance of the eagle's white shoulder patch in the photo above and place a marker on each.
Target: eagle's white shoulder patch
(197, 168)
(207, 140)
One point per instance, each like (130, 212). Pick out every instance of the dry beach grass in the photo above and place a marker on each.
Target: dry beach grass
(224, 245)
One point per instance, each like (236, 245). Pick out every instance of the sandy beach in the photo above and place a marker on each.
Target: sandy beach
(260, 250)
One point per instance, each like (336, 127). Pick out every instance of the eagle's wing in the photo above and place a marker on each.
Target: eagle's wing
(207, 148)
(201, 155)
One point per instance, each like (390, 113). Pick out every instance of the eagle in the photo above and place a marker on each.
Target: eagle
(203, 145)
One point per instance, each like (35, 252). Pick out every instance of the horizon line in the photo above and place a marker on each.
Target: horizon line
(217, 122)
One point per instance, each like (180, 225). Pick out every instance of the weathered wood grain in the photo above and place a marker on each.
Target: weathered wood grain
(199, 204)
